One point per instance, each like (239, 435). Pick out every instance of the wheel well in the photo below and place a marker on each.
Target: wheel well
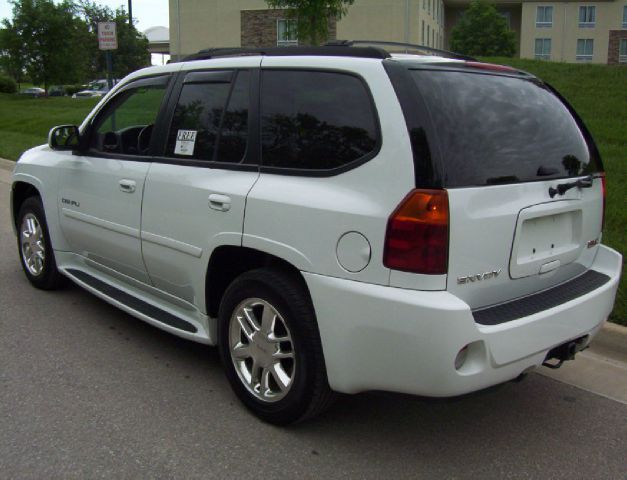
(228, 262)
(20, 192)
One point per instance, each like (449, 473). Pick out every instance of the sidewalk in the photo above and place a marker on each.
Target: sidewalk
(6, 167)
(601, 369)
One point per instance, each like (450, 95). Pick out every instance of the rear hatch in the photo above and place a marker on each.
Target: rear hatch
(523, 178)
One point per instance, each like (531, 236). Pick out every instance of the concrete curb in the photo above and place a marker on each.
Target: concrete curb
(6, 164)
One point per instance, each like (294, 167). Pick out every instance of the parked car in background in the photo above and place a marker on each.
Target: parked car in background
(33, 92)
(97, 88)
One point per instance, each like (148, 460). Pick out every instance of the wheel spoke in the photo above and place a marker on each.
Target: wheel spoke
(281, 355)
(267, 320)
(241, 351)
(265, 382)
(281, 377)
(245, 326)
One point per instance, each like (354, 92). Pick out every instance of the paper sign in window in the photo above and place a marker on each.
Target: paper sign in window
(185, 142)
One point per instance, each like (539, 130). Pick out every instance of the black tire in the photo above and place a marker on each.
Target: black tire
(309, 394)
(49, 278)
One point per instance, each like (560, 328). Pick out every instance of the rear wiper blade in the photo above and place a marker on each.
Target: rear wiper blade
(585, 182)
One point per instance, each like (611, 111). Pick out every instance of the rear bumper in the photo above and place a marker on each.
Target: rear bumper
(385, 338)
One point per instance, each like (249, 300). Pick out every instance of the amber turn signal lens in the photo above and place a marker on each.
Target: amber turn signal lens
(417, 233)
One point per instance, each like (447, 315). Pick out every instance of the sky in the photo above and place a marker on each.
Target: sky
(147, 13)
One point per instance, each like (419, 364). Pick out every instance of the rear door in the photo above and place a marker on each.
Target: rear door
(504, 144)
(196, 190)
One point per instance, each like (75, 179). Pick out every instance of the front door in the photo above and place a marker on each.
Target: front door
(100, 191)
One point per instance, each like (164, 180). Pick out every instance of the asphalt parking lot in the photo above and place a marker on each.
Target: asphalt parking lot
(86, 391)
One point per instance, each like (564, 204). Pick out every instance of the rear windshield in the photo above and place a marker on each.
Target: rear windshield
(495, 129)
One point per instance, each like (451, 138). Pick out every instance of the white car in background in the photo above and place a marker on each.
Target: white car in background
(334, 219)
(97, 88)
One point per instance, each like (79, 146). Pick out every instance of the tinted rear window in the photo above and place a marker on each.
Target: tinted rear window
(496, 129)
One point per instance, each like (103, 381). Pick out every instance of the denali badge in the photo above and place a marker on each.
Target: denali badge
(478, 277)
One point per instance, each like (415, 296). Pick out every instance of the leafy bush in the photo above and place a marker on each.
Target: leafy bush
(7, 85)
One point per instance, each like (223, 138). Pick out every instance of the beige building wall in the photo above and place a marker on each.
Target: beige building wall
(565, 29)
(217, 23)
(394, 21)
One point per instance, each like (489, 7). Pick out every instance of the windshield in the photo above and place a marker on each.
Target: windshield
(495, 129)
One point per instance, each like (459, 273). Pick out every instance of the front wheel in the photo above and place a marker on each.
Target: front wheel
(270, 347)
(35, 249)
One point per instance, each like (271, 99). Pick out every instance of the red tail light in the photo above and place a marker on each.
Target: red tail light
(604, 190)
(417, 233)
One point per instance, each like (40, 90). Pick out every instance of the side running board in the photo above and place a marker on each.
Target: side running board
(132, 302)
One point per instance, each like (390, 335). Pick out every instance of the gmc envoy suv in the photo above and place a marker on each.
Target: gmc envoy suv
(334, 219)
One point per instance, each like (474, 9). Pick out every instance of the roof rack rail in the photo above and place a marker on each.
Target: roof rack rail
(404, 46)
(326, 51)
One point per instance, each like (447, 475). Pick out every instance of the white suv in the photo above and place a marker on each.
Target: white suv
(335, 219)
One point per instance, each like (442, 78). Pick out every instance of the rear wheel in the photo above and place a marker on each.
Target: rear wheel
(33, 242)
(270, 347)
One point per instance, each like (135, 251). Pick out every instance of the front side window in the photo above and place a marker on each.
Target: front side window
(315, 120)
(544, 17)
(543, 49)
(585, 48)
(127, 122)
(587, 16)
(204, 127)
(286, 33)
(622, 51)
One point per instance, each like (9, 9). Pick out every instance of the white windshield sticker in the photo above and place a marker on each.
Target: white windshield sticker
(185, 141)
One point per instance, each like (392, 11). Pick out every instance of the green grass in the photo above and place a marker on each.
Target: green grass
(597, 92)
(25, 122)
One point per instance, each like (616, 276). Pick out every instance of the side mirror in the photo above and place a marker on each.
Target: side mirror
(64, 137)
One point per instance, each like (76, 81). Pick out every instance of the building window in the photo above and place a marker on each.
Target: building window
(422, 41)
(585, 47)
(625, 16)
(544, 17)
(428, 35)
(508, 18)
(286, 33)
(429, 7)
(543, 49)
(587, 17)
(622, 51)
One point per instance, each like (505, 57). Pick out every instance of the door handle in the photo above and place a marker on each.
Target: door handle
(127, 186)
(222, 203)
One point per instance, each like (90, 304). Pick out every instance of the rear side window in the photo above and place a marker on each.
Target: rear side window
(211, 121)
(496, 129)
(315, 120)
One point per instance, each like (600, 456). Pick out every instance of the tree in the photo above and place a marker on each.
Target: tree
(132, 52)
(43, 39)
(312, 16)
(482, 31)
(11, 52)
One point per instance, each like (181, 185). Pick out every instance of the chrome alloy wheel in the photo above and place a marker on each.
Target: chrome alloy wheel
(32, 244)
(262, 350)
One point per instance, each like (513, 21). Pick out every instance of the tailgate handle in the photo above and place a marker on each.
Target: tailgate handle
(585, 182)
(549, 267)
